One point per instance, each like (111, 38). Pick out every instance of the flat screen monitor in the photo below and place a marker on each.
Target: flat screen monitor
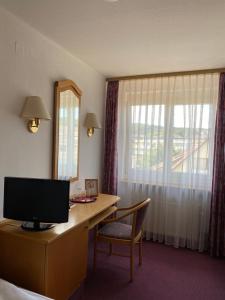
(36, 201)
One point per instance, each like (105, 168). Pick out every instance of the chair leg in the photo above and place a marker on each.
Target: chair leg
(140, 251)
(131, 261)
(110, 248)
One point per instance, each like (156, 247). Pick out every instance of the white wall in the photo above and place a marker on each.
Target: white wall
(29, 65)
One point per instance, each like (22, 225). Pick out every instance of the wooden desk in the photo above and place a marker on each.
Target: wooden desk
(52, 262)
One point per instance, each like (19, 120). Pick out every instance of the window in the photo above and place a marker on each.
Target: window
(166, 129)
(147, 136)
(190, 139)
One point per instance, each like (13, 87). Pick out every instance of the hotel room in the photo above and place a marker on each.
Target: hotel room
(112, 149)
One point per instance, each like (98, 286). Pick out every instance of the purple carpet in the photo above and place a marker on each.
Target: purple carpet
(166, 273)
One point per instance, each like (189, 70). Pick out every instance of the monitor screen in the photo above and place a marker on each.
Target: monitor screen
(41, 200)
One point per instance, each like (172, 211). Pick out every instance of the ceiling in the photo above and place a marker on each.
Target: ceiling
(132, 36)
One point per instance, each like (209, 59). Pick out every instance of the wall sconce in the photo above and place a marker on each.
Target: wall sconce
(91, 123)
(34, 110)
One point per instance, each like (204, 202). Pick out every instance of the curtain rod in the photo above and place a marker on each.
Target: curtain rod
(142, 76)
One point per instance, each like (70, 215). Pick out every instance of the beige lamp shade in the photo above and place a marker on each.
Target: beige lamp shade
(91, 121)
(34, 108)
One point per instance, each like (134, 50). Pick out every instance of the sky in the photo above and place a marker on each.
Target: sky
(184, 115)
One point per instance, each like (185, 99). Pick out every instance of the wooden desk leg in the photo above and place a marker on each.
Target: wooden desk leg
(95, 248)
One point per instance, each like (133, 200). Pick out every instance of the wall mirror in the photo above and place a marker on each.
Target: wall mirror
(66, 130)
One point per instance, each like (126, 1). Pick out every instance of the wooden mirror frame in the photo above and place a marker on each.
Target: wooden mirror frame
(61, 86)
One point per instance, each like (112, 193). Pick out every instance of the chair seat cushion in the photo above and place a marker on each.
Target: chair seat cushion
(116, 230)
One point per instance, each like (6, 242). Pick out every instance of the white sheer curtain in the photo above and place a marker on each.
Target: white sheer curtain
(165, 152)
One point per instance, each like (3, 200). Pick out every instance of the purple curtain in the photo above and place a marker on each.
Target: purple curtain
(110, 153)
(217, 217)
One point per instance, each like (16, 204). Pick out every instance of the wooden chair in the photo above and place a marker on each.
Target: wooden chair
(117, 232)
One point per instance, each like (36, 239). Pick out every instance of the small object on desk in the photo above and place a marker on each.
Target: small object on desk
(91, 187)
(83, 199)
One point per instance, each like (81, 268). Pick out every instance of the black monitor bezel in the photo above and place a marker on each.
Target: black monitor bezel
(64, 219)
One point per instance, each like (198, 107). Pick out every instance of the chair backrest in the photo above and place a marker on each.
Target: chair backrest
(139, 216)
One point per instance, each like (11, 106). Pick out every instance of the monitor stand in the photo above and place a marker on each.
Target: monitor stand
(36, 226)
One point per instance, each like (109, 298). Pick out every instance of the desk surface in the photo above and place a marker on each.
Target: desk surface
(79, 213)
